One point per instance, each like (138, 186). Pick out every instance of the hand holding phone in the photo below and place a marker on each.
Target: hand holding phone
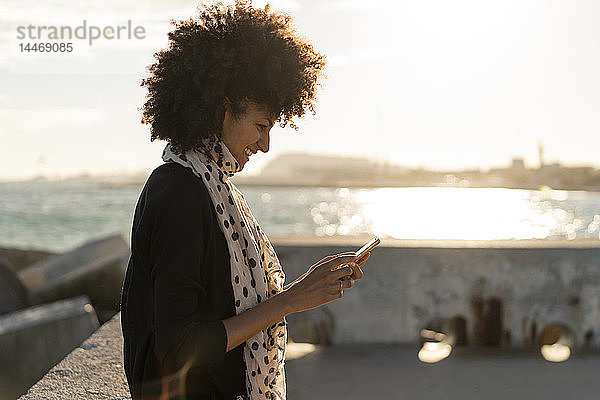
(362, 255)
(363, 251)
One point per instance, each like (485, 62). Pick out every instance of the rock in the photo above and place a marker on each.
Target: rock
(13, 295)
(95, 269)
(35, 339)
(21, 258)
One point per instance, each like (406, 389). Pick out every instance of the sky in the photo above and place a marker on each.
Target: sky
(432, 83)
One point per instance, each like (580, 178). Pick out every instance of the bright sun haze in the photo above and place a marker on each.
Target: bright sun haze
(438, 84)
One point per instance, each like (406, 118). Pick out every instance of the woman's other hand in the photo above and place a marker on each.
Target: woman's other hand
(321, 283)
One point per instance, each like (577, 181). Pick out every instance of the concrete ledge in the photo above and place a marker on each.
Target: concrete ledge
(35, 339)
(501, 293)
(94, 370)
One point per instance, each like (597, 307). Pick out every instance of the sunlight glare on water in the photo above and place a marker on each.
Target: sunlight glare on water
(459, 213)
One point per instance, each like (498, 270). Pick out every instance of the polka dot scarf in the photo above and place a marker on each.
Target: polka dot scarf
(256, 273)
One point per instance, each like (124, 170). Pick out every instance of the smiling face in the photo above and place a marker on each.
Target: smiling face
(247, 134)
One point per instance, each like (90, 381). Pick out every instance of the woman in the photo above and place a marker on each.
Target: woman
(204, 302)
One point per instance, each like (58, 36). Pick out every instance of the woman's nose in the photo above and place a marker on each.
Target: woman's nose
(263, 143)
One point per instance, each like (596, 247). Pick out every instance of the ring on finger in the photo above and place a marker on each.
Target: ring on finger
(340, 286)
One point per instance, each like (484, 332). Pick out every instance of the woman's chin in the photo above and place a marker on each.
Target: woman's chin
(241, 163)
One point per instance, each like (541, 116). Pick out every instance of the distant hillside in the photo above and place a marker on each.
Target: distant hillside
(296, 169)
(321, 170)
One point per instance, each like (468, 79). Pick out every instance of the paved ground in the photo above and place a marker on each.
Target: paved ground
(394, 372)
(94, 371)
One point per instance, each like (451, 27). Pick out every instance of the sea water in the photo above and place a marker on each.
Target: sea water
(57, 216)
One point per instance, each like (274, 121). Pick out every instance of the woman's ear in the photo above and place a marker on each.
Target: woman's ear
(227, 104)
(227, 115)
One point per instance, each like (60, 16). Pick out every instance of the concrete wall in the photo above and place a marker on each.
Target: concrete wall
(506, 292)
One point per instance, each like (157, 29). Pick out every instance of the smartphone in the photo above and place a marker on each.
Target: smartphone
(367, 247)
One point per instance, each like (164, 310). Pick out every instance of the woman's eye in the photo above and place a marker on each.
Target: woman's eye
(262, 127)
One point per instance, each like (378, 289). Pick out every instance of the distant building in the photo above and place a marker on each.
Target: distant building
(541, 154)
(518, 164)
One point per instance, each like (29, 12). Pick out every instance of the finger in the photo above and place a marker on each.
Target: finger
(348, 253)
(342, 272)
(347, 284)
(338, 260)
(357, 272)
(335, 286)
(331, 257)
(361, 261)
(322, 260)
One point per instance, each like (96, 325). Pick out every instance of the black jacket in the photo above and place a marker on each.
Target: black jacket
(177, 291)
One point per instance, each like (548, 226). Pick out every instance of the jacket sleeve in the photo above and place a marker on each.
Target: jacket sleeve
(178, 243)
